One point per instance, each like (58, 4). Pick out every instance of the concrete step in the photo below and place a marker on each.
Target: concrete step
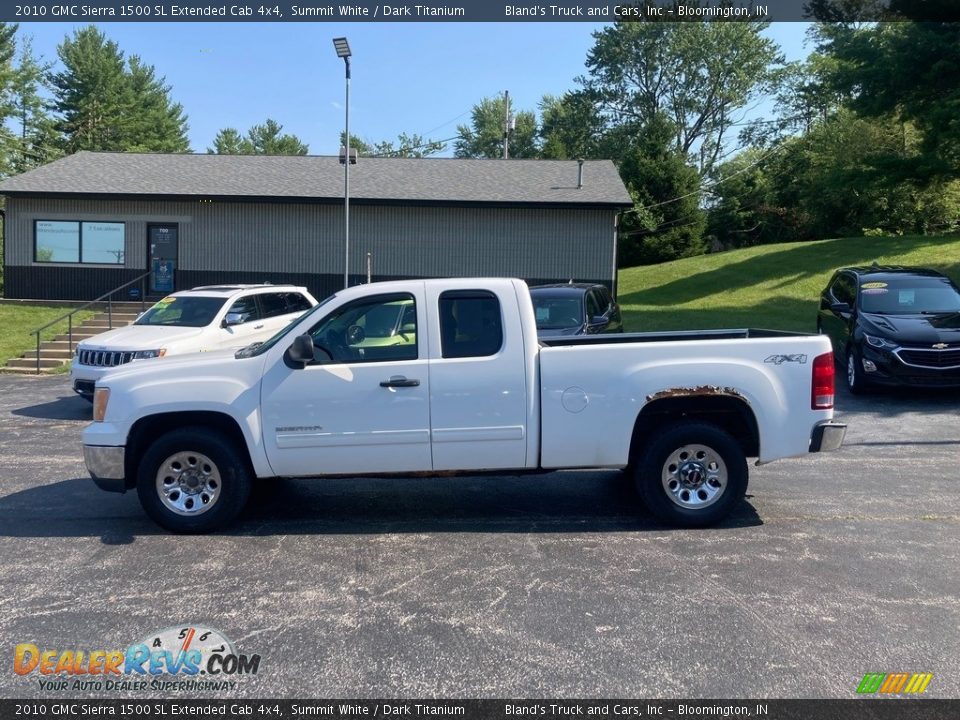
(78, 335)
(26, 371)
(50, 354)
(117, 317)
(100, 327)
(57, 345)
(29, 363)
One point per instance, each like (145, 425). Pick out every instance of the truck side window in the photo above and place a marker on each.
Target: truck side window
(470, 324)
(374, 329)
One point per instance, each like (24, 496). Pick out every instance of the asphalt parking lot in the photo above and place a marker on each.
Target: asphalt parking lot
(546, 586)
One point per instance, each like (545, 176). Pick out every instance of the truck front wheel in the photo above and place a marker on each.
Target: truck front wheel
(192, 480)
(692, 475)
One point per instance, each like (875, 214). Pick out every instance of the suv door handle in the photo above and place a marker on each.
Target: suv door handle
(258, 327)
(399, 381)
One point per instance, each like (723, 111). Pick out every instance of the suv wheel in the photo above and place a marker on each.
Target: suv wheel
(856, 380)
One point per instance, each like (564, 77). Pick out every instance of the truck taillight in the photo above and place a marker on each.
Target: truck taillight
(821, 395)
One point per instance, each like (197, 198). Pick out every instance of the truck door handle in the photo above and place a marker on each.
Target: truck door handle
(258, 327)
(399, 381)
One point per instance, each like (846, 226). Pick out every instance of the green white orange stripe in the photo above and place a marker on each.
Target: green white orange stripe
(894, 683)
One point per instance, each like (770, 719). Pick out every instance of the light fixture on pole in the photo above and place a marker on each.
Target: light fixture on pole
(343, 50)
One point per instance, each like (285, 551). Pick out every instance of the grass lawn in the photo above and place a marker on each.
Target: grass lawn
(770, 286)
(17, 321)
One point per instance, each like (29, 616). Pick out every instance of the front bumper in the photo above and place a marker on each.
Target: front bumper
(891, 370)
(827, 436)
(106, 466)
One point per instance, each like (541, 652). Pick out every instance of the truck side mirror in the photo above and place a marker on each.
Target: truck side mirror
(841, 307)
(600, 321)
(300, 352)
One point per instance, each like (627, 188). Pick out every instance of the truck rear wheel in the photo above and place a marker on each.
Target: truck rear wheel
(191, 480)
(692, 475)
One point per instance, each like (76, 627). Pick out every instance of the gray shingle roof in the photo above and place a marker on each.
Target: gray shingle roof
(319, 177)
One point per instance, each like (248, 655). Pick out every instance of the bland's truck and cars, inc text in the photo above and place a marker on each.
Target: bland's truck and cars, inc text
(430, 376)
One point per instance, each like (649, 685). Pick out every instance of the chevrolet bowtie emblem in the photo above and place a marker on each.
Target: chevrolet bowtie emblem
(940, 346)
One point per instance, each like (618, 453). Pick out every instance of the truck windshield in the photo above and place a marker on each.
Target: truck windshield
(260, 348)
(182, 311)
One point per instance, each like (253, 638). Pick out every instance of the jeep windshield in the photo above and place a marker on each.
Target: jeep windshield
(183, 311)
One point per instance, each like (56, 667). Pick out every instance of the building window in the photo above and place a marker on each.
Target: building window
(59, 241)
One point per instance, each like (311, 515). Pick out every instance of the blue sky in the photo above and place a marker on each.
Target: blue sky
(407, 77)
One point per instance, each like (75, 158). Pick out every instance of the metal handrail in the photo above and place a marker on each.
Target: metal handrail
(109, 298)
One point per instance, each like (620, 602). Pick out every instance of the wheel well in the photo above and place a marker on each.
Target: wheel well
(725, 411)
(147, 429)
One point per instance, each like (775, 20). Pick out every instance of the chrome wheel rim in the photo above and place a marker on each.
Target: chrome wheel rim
(851, 370)
(188, 483)
(694, 476)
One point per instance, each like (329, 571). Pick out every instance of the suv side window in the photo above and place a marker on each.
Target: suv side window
(593, 306)
(603, 297)
(273, 304)
(295, 302)
(471, 324)
(246, 307)
(844, 289)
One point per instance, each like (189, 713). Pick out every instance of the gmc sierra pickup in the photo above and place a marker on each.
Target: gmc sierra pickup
(446, 375)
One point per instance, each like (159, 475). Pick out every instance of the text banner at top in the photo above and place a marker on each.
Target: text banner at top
(482, 11)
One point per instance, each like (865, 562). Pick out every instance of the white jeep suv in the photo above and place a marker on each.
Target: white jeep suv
(214, 317)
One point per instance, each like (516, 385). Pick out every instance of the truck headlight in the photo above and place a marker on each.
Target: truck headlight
(101, 396)
(147, 354)
(879, 342)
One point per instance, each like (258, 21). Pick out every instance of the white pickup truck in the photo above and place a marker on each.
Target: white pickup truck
(426, 376)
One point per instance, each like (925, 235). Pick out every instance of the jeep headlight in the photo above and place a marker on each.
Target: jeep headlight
(148, 354)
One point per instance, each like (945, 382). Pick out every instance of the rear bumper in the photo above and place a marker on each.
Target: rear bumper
(827, 436)
(105, 465)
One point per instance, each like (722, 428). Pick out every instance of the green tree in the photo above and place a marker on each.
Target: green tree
(483, 138)
(571, 126)
(667, 221)
(267, 138)
(907, 70)
(698, 75)
(157, 124)
(8, 144)
(103, 105)
(37, 140)
(228, 141)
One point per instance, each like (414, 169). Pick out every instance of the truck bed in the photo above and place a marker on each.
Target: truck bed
(668, 336)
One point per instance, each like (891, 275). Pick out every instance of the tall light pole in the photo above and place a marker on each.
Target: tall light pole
(343, 50)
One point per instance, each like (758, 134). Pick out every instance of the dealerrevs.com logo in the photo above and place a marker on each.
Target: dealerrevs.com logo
(178, 658)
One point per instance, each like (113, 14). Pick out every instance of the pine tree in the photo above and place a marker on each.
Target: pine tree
(158, 124)
(8, 143)
(265, 139)
(36, 135)
(104, 105)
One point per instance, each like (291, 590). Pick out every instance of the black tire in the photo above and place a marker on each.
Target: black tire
(214, 456)
(724, 487)
(856, 377)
